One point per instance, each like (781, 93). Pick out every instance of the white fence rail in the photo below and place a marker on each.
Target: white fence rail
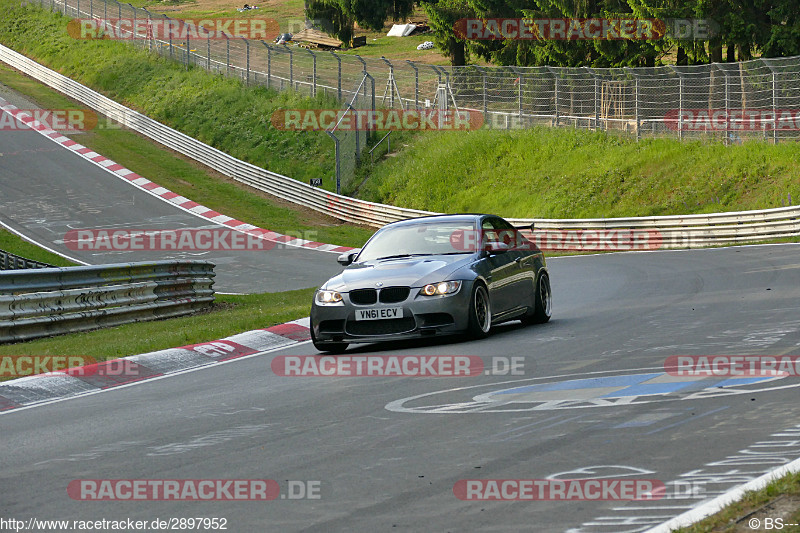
(678, 231)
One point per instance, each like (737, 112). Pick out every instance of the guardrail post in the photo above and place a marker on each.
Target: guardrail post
(339, 76)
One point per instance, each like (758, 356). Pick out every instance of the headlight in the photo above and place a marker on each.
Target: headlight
(443, 287)
(328, 297)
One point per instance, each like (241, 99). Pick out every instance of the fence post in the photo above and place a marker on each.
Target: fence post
(727, 105)
(168, 29)
(680, 101)
(519, 92)
(338, 169)
(91, 9)
(188, 51)
(149, 36)
(227, 54)
(133, 28)
(635, 100)
(313, 73)
(208, 54)
(269, 64)
(338, 76)
(247, 52)
(552, 72)
(416, 83)
(389, 83)
(291, 67)
(596, 80)
(774, 102)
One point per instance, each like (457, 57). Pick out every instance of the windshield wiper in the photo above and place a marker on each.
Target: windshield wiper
(397, 256)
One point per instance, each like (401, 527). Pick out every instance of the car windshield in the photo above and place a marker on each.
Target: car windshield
(423, 238)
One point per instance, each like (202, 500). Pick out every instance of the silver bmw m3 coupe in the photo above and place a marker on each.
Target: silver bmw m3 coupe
(438, 275)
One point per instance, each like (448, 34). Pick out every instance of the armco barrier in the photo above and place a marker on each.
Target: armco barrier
(48, 301)
(9, 261)
(680, 231)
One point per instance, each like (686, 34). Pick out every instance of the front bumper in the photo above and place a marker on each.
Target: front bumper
(423, 316)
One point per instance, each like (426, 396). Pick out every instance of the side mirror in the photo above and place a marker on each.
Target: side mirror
(347, 258)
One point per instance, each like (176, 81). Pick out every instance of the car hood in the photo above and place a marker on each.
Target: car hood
(408, 271)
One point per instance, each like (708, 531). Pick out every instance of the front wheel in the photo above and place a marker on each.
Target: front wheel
(542, 302)
(480, 312)
(330, 347)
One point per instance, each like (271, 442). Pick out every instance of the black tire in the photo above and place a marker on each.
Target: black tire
(329, 347)
(480, 312)
(542, 302)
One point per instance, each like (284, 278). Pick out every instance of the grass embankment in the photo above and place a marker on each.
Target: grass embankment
(779, 500)
(18, 246)
(569, 173)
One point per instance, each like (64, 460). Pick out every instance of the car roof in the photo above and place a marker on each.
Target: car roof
(443, 218)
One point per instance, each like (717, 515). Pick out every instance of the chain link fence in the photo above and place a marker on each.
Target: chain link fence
(725, 101)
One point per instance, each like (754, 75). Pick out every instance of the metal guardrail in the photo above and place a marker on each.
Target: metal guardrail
(49, 301)
(9, 261)
(678, 231)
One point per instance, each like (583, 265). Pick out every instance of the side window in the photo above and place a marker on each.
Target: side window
(489, 231)
(508, 234)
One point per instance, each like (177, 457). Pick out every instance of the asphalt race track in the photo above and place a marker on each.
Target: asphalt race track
(47, 190)
(388, 451)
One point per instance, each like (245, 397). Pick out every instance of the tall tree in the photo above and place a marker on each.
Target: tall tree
(369, 14)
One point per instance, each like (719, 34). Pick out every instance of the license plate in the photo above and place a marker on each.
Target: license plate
(379, 314)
